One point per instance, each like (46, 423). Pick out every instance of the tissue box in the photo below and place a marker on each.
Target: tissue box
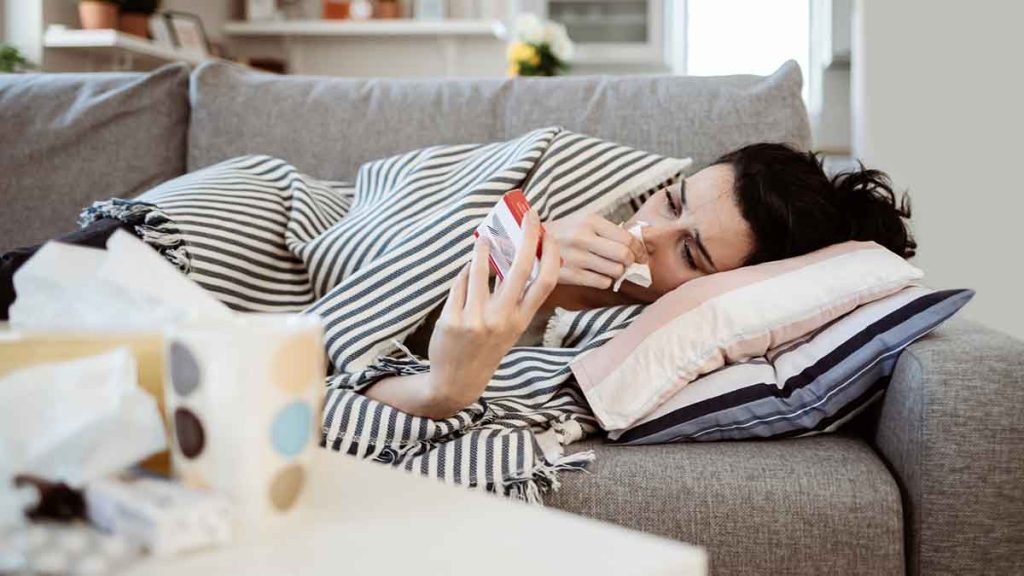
(23, 349)
(245, 398)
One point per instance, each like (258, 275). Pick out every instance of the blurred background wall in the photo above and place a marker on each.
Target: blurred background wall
(937, 96)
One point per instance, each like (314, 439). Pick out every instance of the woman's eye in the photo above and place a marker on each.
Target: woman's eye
(688, 256)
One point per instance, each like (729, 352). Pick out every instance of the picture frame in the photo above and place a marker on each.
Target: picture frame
(187, 32)
(160, 31)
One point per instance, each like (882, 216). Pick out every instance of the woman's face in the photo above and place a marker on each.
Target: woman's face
(694, 230)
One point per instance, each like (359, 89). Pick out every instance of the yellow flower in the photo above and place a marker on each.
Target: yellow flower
(523, 52)
(513, 69)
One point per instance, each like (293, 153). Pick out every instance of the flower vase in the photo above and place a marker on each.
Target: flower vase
(97, 15)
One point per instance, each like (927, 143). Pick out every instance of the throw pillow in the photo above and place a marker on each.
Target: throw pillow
(729, 317)
(810, 385)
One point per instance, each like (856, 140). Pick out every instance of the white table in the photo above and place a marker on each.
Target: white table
(360, 517)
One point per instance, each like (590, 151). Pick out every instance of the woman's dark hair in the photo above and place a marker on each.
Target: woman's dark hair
(794, 208)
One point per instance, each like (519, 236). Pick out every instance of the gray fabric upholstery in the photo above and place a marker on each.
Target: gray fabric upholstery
(69, 139)
(952, 429)
(824, 505)
(329, 126)
(680, 116)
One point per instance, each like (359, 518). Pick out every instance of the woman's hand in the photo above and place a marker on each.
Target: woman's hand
(477, 328)
(596, 252)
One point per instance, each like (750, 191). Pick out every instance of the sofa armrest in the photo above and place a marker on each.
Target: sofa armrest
(952, 431)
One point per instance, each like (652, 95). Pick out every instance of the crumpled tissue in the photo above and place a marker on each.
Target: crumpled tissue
(83, 419)
(13, 500)
(639, 274)
(128, 286)
(77, 421)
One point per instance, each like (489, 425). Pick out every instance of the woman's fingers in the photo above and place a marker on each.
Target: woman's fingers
(609, 250)
(547, 278)
(522, 266)
(586, 260)
(580, 277)
(479, 290)
(457, 295)
(624, 246)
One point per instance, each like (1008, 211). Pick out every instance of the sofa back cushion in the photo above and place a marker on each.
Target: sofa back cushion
(69, 139)
(698, 117)
(329, 126)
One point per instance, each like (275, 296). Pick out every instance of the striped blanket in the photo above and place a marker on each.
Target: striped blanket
(373, 258)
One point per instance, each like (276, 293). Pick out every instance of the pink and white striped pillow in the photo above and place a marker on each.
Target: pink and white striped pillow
(727, 317)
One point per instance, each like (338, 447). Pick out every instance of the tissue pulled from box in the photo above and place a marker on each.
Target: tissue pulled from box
(128, 286)
(636, 273)
(79, 420)
(13, 500)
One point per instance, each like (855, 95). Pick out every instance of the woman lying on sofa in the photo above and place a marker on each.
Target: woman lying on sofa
(760, 203)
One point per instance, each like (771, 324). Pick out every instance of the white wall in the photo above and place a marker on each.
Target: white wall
(937, 96)
(828, 76)
(23, 25)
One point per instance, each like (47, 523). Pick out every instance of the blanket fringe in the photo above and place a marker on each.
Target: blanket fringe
(524, 491)
(545, 477)
(645, 185)
(150, 224)
(557, 328)
(169, 242)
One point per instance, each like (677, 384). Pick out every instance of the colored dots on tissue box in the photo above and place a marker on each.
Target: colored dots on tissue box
(184, 369)
(188, 433)
(291, 429)
(246, 396)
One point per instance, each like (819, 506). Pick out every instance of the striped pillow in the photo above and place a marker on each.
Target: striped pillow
(240, 219)
(807, 386)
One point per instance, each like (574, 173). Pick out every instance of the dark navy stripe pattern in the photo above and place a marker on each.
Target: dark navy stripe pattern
(809, 386)
(373, 258)
(240, 219)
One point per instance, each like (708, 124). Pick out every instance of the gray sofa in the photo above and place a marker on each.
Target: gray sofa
(931, 481)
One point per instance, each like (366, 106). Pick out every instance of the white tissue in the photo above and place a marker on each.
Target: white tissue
(13, 501)
(79, 420)
(639, 274)
(128, 286)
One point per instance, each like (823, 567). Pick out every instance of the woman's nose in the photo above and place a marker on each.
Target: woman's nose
(658, 234)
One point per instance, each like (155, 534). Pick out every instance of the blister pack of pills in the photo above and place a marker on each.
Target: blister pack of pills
(57, 549)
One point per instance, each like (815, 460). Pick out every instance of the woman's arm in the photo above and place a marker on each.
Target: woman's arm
(475, 330)
(414, 394)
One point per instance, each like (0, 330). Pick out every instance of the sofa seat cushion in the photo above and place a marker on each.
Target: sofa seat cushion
(70, 139)
(824, 505)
